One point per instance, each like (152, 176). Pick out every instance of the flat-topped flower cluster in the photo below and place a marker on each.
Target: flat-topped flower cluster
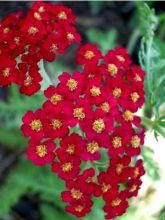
(89, 115)
(45, 31)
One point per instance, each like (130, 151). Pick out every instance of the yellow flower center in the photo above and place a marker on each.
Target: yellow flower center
(120, 58)
(55, 99)
(79, 208)
(133, 188)
(112, 69)
(76, 194)
(70, 149)
(116, 142)
(72, 84)
(95, 91)
(128, 115)
(37, 16)
(135, 141)
(78, 113)
(28, 80)
(116, 92)
(92, 147)
(36, 125)
(116, 202)
(62, 15)
(105, 187)
(41, 150)
(56, 123)
(137, 78)
(119, 168)
(89, 54)
(70, 36)
(17, 40)
(136, 172)
(6, 72)
(98, 125)
(105, 107)
(53, 48)
(41, 9)
(134, 96)
(90, 75)
(6, 30)
(32, 30)
(66, 167)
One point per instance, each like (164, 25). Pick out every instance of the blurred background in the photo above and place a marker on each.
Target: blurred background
(33, 193)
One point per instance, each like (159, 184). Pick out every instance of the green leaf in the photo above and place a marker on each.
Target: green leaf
(106, 40)
(96, 6)
(151, 166)
(12, 138)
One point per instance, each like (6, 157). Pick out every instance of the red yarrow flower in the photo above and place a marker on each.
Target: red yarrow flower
(41, 153)
(33, 124)
(88, 53)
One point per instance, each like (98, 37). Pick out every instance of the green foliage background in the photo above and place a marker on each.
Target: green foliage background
(26, 179)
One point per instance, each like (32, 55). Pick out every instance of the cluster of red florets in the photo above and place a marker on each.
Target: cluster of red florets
(88, 119)
(45, 31)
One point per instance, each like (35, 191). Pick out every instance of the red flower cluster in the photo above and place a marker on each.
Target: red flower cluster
(90, 115)
(46, 30)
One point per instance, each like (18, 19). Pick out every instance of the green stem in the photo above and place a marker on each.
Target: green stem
(148, 63)
(133, 40)
(46, 82)
(151, 125)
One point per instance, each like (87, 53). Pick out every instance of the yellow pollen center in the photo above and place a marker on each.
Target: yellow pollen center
(72, 84)
(119, 168)
(62, 15)
(112, 69)
(55, 99)
(41, 150)
(98, 125)
(6, 30)
(6, 72)
(70, 149)
(95, 91)
(133, 188)
(53, 48)
(120, 58)
(105, 187)
(36, 125)
(116, 92)
(137, 78)
(37, 16)
(89, 54)
(92, 147)
(78, 113)
(90, 179)
(76, 194)
(66, 167)
(32, 30)
(116, 202)
(134, 96)
(128, 115)
(28, 80)
(79, 208)
(135, 141)
(116, 142)
(105, 107)
(56, 123)
(41, 9)
(16, 40)
(136, 172)
(70, 36)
